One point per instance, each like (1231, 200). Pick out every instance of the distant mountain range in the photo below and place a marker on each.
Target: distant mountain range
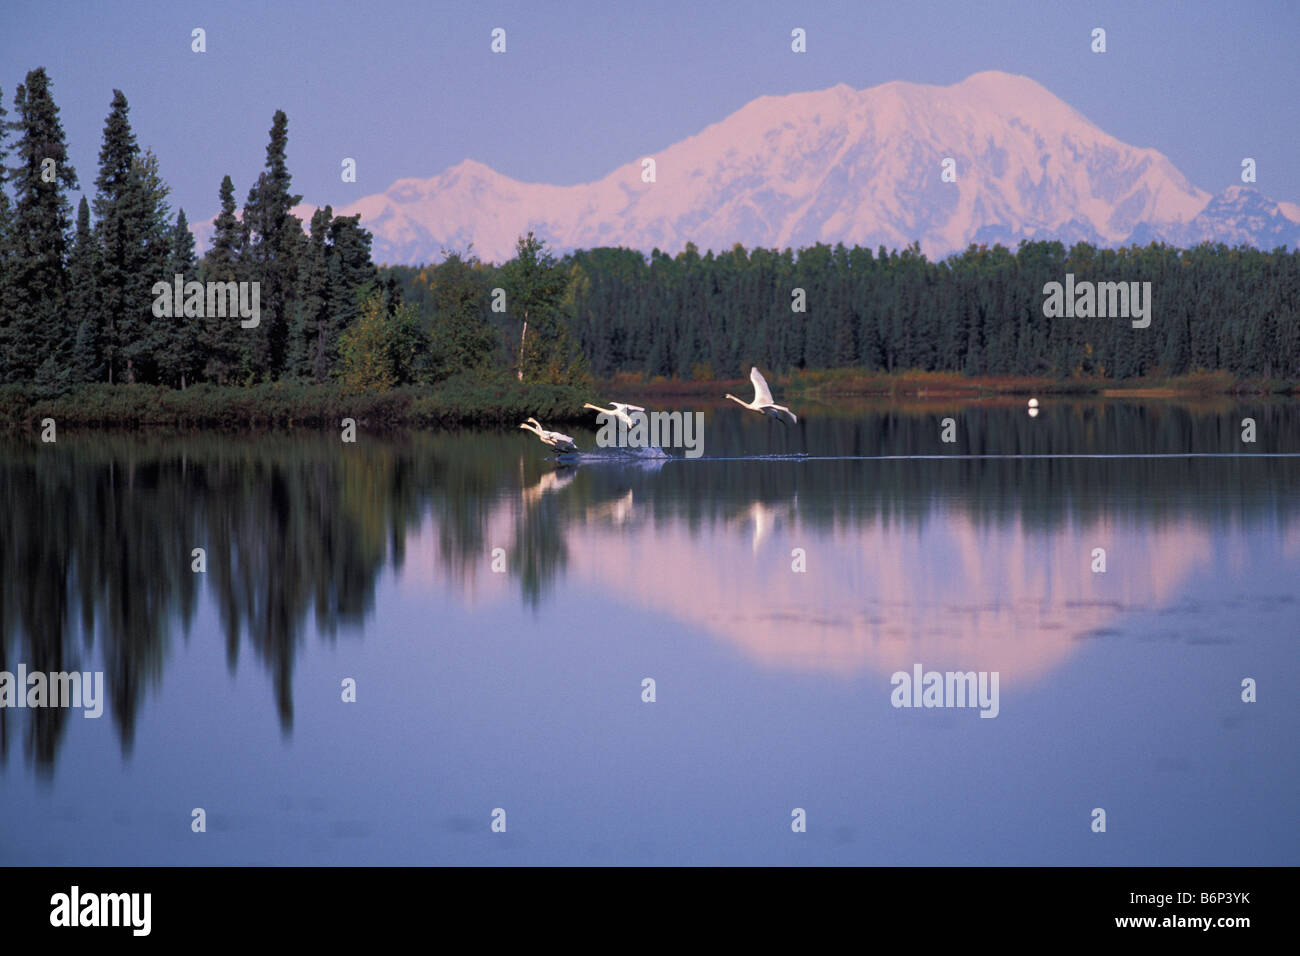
(842, 165)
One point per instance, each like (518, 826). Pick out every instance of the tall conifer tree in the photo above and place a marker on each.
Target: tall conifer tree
(37, 333)
(120, 241)
(6, 250)
(221, 263)
(83, 282)
(152, 220)
(309, 347)
(180, 358)
(272, 240)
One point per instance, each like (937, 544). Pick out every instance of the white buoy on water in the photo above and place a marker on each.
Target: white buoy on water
(1033, 403)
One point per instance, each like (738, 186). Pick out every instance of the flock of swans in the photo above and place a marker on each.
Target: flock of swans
(762, 403)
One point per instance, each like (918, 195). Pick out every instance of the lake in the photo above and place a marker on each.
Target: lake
(497, 617)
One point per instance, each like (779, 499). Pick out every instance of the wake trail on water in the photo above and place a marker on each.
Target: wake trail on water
(658, 456)
(800, 456)
(620, 456)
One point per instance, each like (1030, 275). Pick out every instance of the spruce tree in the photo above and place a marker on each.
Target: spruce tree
(221, 263)
(37, 332)
(6, 254)
(272, 239)
(309, 356)
(122, 288)
(180, 357)
(152, 216)
(183, 258)
(351, 274)
(83, 282)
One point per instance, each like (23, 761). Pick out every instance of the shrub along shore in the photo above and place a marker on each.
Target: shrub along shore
(473, 402)
(284, 405)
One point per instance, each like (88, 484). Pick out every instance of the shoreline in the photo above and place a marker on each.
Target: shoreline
(505, 403)
(851, 383)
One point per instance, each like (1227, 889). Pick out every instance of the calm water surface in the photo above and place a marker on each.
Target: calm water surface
(522, 689)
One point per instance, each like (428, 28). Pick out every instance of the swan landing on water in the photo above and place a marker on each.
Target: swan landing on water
(763, 400)
(553, 439)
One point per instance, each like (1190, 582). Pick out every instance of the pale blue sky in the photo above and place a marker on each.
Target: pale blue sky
(409, 88)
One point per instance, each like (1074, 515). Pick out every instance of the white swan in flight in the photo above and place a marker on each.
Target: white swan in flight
(618, 410)
(554, 439)
(763, 400)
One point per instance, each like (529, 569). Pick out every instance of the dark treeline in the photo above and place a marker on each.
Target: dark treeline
(96, 565)
(978, 313)
(80, 300)
(1213, 308)
(707, 316)
(77, 302)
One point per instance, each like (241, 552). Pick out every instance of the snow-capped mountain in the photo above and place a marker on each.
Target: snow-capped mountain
(860, 167)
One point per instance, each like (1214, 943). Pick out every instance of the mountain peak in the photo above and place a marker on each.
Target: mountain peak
(473, 166)
(468, 169)
(1003, 81)
(867, 167)
(1014, 94)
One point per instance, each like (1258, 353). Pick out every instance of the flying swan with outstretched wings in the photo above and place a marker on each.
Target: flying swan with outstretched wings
(619, 410)
(763, 400)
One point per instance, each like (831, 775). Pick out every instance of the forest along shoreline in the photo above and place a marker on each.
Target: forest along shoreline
(472, 401)
(112, 318)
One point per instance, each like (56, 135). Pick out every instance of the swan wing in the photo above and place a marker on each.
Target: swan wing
(783, 413)
(762, 394)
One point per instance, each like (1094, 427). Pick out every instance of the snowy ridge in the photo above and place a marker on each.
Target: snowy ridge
(842, 165)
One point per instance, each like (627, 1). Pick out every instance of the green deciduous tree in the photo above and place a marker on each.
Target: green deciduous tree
(537, 287)
(462, 339)
(381, 350)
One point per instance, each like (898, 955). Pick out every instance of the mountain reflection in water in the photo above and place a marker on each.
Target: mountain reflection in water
(971, 564)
